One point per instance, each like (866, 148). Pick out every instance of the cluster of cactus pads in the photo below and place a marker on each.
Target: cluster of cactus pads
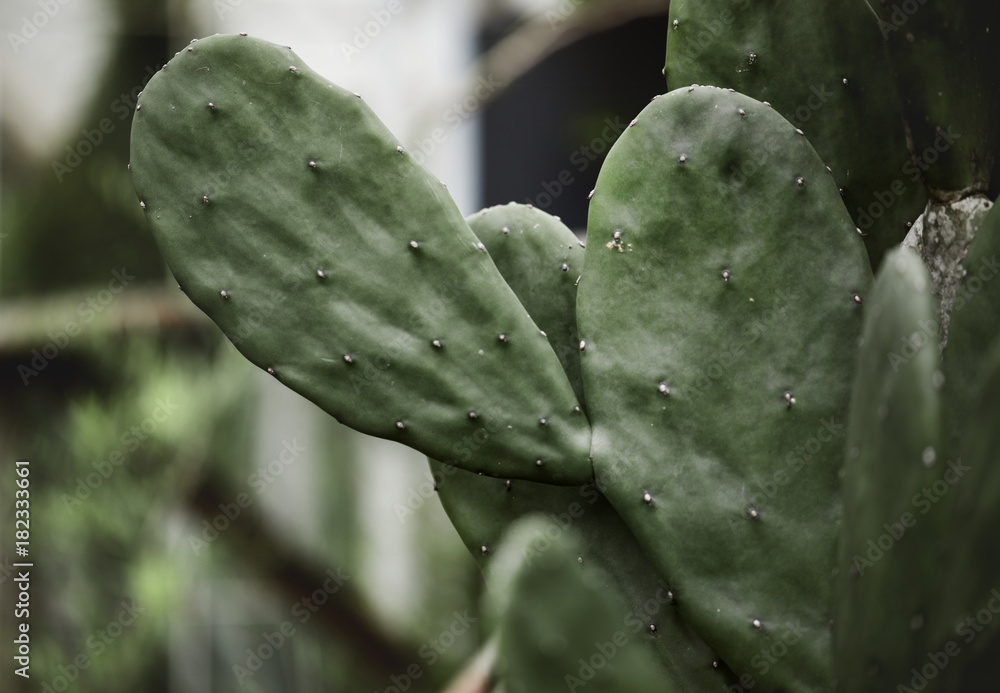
(708, 452)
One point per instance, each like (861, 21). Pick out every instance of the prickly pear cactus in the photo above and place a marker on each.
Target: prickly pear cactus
(483, 509)
(718, 337)
(921, 492)
(541, 260)
(823, 67)
(945, 58)
(557, 625)
(895, 449)
(292, 217)
(526, 245)
(968, 598)
(732, 493)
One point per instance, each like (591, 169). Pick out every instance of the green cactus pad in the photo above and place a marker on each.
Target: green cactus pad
(527, 245)
(558, 628)
(895, 452)
(974, 326)
(719, 312)
(918, 512)
(969, 596)
(483, 509)
(798, 56)
(290, 215)
(946, 60)
(541, 260)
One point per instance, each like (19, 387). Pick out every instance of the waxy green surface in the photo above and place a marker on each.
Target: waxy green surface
(945, 56)
(968, 604)
(291, 216)
(541, 260)
(890, 551)
(550, 612)
(531, 248)
(483, 509)
(719, 313)
(823, 67)
(919, 588)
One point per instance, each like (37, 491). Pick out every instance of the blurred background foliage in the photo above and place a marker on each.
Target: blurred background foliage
(184, 504)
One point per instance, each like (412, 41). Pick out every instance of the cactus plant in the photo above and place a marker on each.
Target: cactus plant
(833, 85)
(953, 131)
(524, 242)
(241, 201)
(894, 443)
(545, 640)
(732, 431)
(754, 329)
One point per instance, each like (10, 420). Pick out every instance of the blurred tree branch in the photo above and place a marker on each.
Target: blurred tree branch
(531, 42)
(30, 322)
(342, 617)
